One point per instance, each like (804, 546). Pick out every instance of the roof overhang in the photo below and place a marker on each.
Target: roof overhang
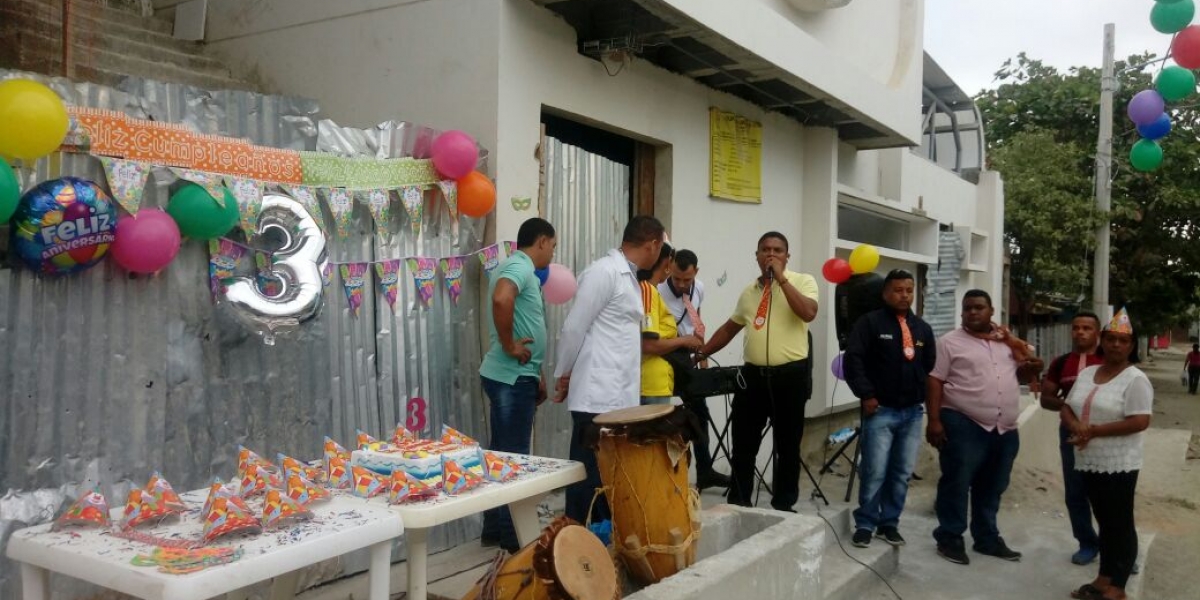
(693, 44)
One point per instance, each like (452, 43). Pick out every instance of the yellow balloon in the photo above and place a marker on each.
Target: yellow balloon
(864, 259)
(33, 119)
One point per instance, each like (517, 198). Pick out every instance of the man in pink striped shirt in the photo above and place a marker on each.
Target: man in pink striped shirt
(973, 403)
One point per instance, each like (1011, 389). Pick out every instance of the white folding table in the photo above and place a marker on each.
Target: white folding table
(340, 525)
(539, 477)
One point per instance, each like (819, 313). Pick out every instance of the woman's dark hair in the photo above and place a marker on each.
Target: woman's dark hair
(663, 255)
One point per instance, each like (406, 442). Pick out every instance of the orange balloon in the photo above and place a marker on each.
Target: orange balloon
(476, 195)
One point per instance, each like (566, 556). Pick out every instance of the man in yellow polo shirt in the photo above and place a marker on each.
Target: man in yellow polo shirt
(775, 311)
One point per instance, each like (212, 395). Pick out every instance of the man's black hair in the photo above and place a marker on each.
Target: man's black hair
(897, 275)
(532, 229)
(978, 294)
(1087, 314)
(686, 259)
(774, 234)
(642, 229)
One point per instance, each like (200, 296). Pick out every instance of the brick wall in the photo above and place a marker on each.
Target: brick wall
(109, 39)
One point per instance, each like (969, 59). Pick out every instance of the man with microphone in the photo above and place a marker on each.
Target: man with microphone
(775, 309)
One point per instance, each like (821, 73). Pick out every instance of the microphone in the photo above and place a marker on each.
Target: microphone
(770, 274)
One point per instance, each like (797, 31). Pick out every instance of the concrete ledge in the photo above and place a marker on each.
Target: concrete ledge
(774, 555)
(843, 574)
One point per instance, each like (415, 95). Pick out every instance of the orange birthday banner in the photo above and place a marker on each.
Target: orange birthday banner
(111, 133)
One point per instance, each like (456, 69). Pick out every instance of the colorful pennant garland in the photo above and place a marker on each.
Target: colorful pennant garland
(489, 257)
(452, 273)
(387, 273)
(450, 193)
(223, 256)
(379, 202)
(127, 181)
(423, 271)
(342, 208)
(414, 204)
(353, 281)
(249, 196)
(307, 196)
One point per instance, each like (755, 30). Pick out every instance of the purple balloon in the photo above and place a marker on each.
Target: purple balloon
(1145, 107)
(836, 367)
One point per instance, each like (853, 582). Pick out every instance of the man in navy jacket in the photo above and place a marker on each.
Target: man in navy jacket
(888, 356)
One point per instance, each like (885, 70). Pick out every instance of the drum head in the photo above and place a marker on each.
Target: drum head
(585, 570)
(634, 414)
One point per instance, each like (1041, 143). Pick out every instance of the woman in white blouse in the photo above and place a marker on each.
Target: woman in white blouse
(1107, 412)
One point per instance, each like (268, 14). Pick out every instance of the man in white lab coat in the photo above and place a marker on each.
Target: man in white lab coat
(598, 367)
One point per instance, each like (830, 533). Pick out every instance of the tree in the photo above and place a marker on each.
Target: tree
(1049, 222)
(1156, 216)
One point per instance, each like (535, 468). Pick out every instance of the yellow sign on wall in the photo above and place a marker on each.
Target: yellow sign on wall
(735, 157)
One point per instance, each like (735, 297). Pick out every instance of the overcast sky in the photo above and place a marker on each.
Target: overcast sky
(970, 39)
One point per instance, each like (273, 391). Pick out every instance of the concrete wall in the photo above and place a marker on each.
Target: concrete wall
(432, 63)
(868, 55)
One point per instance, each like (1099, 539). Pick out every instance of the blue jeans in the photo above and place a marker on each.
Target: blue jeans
(890, 441)
(513, 409)
(646, 400)
(976, 464)
(1078, 507)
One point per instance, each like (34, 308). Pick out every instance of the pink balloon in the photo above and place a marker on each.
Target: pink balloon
(454, 154)
(560, 284)
(146, 243)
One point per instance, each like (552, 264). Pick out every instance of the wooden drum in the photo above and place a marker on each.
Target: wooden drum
(567, 562)
(643, 458)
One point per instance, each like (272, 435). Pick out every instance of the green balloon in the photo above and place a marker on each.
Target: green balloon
(1146, 155)
(198, 214)
(1172, 17)
(10, 191)
(1175, 83)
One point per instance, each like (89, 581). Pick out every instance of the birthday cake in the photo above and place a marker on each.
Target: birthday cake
(420, 458)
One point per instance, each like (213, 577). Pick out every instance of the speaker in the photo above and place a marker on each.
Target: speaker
(853, 298)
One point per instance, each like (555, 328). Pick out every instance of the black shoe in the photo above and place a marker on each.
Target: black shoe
(954, 553)
(999, 550)
(488, 541)
(712, 479)
(861, 538)
(890, 535)
(783, 508)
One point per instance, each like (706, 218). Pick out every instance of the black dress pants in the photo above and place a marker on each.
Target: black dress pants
(776, 395)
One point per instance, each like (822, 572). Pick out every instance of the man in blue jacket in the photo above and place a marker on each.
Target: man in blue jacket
(888, 356)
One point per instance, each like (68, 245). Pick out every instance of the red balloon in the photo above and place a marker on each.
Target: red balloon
(836, 270)
(476, 195)
(1186, 47)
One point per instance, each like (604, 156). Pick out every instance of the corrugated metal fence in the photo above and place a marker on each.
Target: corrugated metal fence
(587, 200)
(107, 377)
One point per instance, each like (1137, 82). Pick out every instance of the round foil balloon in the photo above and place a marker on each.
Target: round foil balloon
(297, 284)
(63, 226)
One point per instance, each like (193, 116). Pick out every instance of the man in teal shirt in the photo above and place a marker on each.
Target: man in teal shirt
(512, 368)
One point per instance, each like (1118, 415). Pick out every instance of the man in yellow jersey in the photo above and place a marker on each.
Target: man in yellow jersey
(659, 334)
(775, 311)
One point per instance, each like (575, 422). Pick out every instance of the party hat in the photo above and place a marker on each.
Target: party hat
(90, 509)
(1120, 323)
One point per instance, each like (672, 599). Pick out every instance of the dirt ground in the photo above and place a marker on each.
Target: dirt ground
(1168, 506)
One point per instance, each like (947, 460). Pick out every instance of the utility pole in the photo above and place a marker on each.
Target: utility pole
(1108, 85)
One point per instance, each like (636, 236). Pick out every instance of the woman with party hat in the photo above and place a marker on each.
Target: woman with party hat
(1107, 412)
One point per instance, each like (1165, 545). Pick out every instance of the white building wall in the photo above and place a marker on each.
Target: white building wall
(372, 60)
(867, 56)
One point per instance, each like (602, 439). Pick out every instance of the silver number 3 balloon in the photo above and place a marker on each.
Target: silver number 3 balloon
(297, 266)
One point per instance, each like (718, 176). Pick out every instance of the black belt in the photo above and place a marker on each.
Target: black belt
(775, 370)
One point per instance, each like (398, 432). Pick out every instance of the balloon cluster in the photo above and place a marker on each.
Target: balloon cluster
(455, 155)
(863, 259)
(1147, 109)
(33, 123)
